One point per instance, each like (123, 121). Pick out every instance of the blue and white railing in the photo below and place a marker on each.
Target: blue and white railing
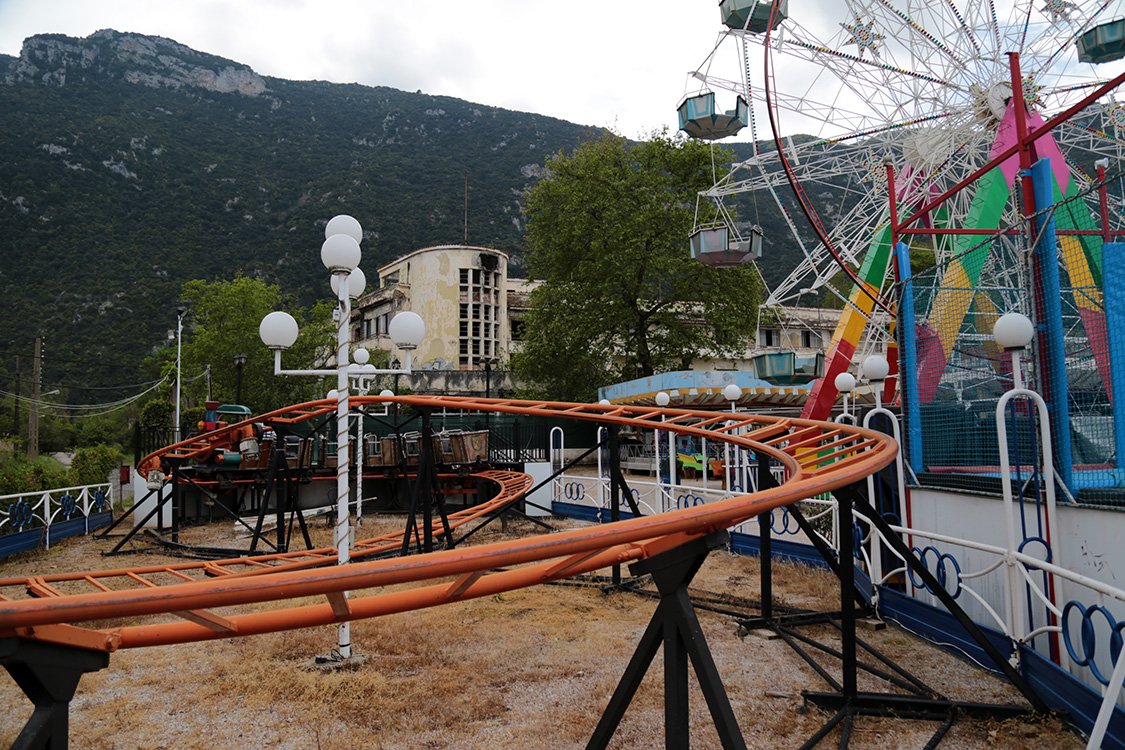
(28, 519)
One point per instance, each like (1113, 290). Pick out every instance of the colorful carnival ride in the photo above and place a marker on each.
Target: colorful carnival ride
(981, 133)
(925, 90)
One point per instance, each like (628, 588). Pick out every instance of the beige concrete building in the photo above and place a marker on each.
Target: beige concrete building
(458, 290)
(474, 315)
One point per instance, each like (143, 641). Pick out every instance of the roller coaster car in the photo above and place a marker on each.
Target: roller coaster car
(453, 449)
(381, 452)
(245, 448)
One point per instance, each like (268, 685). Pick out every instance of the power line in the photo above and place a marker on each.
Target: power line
(93, 410)
(26, 381)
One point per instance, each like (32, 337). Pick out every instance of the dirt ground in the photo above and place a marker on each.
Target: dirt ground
(527, 670)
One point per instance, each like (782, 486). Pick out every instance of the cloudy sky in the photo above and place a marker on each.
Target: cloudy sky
(604, 63)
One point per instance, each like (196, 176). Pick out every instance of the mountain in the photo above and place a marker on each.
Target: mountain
(130, 164)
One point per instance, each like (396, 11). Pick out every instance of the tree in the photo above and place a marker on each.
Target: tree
(622, 298)
(222, 321)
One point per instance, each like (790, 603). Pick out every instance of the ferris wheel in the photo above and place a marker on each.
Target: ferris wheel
(921, 85)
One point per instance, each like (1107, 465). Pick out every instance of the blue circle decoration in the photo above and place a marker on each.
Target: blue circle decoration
(1088, 637)
(785, 516)
(20, 513)
(688, 500)
(68, 504)
(574, 491)
(942, 560)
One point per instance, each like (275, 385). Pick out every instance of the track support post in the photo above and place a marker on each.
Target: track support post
(48, 674)
(675, 626)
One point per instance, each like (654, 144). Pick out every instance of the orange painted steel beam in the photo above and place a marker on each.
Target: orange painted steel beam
(511, 486)
(189, 608)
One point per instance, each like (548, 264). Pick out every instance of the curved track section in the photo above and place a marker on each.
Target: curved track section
(203, 601)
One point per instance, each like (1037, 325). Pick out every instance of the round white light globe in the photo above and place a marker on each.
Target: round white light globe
(604, 402)
(340, 253)
(278, 330)
(355, 370)
(407, 330)
(368, 369)
(361, 356)
(344, 224)
(332, 395)
(875, 367)
(1013, 331)
(357, 282)
(386, 393)
(845, 382)
(663, 399)
(732, 392)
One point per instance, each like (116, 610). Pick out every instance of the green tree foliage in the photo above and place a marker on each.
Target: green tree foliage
(222, 321)
(93, 465)
(156, 413)
(622, 297)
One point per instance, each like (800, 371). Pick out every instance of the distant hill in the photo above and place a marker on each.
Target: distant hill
(130, 164)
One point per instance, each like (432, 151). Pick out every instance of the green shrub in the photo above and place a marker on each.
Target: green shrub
(24, 477)
(156, 413)
(93, 465)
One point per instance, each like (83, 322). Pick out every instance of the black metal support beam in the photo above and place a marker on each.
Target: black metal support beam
(846, 700)
(765, 557)
(895, 541)
(675, 626)
(48, 674)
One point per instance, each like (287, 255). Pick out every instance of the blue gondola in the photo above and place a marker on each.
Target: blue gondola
(751, 15)
(1103, 43)
(699, 119)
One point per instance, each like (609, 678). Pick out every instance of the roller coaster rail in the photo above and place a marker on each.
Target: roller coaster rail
(818, 457)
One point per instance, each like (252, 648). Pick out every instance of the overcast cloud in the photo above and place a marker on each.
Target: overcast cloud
(593, 62)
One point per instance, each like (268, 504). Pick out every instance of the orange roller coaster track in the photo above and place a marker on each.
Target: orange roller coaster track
(207, 600)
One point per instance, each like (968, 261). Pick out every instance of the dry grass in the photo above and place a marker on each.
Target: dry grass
(531, 669)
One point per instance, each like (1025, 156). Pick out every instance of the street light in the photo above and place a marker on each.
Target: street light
(179, 336)
(341, 254)
(876, 369)
(732, 393)
(1013, 332)
(845, 384)
(663, 399)
(239, 361)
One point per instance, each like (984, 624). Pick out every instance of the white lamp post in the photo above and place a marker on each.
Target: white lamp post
(340, 254)
(662, 400)
(845, 384)
(1013, 332)
(876, 369)
(732, 393)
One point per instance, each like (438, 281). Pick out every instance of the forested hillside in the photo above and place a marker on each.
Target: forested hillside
(130, 164)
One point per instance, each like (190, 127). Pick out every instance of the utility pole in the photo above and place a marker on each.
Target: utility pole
(16, 402)
(33, 412)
